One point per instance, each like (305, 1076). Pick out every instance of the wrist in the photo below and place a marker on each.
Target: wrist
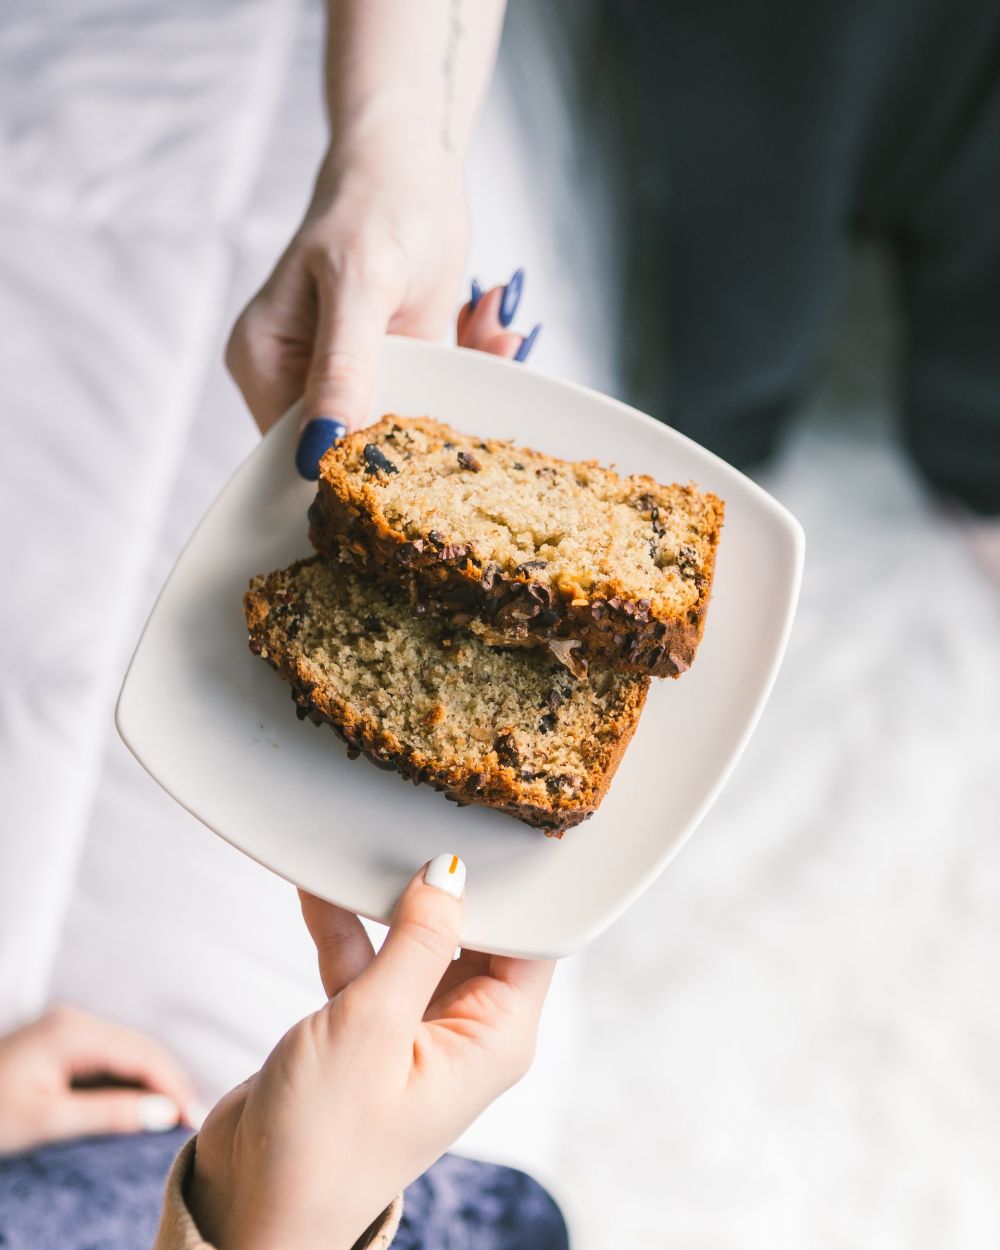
(418, 70)
(391, 145)
(396, 169)
(237, 1217)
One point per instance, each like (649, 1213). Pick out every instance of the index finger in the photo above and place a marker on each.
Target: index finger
(343, 948)
(528, 978)
(339, 384)
(353, 320)
(531, 978)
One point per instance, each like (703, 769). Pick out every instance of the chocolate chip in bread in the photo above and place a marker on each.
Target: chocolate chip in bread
(523, 548)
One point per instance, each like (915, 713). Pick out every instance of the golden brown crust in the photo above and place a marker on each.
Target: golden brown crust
(507, 605)
(495, 785)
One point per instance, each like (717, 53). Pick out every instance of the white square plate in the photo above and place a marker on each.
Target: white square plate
(217, 728)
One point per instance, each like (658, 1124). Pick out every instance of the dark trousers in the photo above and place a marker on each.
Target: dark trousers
(763, 137)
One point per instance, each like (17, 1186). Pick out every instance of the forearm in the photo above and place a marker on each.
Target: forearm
(408, 74)
(382, 245)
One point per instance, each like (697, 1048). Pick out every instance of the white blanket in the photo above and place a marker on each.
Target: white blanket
(792, 1040)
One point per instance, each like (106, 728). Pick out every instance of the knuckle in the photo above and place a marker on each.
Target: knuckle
(355, 1010)
(329, 943)
(335, 368)
(61, 1019)
(300, 1045)
(378, 268)
(322, 258)
(432, 933)
(233, 354)
(363, 261)
(242, 344)
(353, 1004)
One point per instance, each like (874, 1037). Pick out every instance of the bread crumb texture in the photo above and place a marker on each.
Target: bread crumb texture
(529, 546)
(507, 727)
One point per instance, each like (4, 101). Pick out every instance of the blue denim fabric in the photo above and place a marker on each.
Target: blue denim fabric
(105, 1193)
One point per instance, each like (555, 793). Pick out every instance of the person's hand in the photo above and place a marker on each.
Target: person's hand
(483, 322)
(359, 1099)
(377, 253)
(63, 1076)
(381, 250)
(383, 241)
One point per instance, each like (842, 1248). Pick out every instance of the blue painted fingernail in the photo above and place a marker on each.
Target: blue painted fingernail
(477, 295)
(511, 298)
(522, 352)
(317, 437)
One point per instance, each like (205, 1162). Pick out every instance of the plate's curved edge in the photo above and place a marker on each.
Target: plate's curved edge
(798, 550)
(786, 520)
(120, 703)
(468, 940)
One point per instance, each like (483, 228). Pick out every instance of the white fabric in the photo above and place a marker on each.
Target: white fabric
(791, 1040)
(156, 163)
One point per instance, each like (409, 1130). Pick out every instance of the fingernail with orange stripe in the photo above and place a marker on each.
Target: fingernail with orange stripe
(446, 872)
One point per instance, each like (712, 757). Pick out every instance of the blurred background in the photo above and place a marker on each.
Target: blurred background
(793, 1039)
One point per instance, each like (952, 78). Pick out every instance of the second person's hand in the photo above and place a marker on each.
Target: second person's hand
(361, 1097)
(72, 1074)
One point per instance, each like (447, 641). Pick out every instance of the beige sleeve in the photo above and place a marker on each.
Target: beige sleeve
(178, 1230)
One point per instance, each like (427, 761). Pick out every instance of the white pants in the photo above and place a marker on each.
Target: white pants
(156, 161)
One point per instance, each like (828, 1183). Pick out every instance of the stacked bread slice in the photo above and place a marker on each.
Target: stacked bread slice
(486, 618)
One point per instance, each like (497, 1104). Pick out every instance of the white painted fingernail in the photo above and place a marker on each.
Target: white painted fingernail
(157, 1113)
(446, 872)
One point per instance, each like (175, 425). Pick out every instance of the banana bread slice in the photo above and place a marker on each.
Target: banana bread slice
(510, 729)
(524, 548)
